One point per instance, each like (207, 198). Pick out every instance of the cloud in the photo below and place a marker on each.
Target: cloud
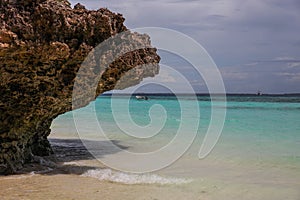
(293, 64)
(270, 78)
(165, 76)
(293, 78)
(259, 38)
(284, 59)
(234, 75)
(251, 64)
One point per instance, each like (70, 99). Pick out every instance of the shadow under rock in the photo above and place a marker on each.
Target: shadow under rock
(68, 151)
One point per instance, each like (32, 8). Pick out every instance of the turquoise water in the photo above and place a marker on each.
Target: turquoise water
(260, 139)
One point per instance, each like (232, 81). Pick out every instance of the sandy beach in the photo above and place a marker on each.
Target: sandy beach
(69, 178)
(75, 187)
(57, 185)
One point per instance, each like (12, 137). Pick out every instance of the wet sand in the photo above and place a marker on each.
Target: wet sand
(67, 182)
(61, 177)
(56, 185)
(75, 187)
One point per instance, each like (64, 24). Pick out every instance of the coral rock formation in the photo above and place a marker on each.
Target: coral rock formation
(42, 46)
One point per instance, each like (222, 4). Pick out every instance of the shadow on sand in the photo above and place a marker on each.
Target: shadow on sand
(67, 153)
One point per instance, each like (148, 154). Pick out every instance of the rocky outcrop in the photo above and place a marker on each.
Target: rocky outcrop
(42, 46)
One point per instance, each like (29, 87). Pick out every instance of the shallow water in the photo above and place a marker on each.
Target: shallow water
(257, 155)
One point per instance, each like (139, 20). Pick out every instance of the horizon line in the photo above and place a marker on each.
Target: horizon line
(165, 93)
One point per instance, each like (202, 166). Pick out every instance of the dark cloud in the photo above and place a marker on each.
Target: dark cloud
(234, 32)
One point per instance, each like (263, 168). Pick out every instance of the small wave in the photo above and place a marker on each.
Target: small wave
(71, 163)
(131, 179)
(42, 171)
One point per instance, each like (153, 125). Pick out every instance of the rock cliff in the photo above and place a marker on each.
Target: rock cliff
(42, 46)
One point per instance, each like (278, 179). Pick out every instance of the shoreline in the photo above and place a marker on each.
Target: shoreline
(71, 186)
(67, 181)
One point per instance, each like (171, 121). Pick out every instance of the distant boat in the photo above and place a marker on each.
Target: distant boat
(141, 97)
(259, 93)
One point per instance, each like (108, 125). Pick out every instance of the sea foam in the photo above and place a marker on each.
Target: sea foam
(130, 179)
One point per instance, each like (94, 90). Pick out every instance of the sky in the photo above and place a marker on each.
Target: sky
(254, 43)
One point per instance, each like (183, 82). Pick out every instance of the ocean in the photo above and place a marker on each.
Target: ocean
(256, 156)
